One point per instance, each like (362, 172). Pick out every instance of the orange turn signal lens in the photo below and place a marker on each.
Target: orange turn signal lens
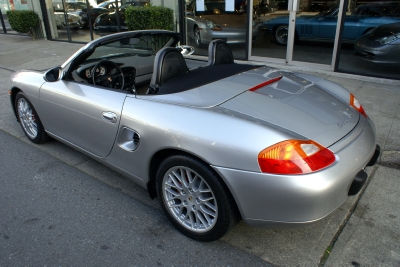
(357, 105)
(295, 157)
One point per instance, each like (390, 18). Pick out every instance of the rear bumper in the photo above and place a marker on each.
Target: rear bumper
(266, 199)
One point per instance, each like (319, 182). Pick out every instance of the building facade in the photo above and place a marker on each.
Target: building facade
(352, 36)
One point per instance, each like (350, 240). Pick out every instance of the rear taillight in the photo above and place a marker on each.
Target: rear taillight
(295, 157)
(357, 105)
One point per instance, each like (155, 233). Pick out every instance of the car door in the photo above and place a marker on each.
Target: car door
(82, 114)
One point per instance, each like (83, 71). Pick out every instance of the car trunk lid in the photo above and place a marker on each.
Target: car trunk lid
(298, 105)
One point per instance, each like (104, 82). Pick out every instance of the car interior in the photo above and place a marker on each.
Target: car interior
(151, 64)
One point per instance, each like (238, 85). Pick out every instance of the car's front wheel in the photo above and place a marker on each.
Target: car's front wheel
(29, 120)
(195, 199)
(281, 34)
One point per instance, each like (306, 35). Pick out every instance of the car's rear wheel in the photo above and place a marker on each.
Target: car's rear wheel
(29, 120)
(197, 37)
(281, 34)
(195, 199)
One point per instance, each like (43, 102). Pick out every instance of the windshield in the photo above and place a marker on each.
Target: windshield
(145, 45)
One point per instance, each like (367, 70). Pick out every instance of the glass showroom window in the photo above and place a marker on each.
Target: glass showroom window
(6, 5)
(271, 22)
(114, 21)
(371, 39)
(207, 20)
(66, 19)
(313, 24)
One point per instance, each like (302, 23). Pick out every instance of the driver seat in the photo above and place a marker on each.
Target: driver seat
(168, 64)
(219, 53)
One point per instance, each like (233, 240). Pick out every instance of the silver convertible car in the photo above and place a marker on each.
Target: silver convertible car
(215, 143)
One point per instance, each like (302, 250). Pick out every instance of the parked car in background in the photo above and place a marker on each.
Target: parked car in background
(380, 45)
(94, 13)
(216, 23)
(107, 23)
(263, 8)
(110, 5)
(322, 27)
(279, 4)
(321, 5)
(377, 10)
(72, 18)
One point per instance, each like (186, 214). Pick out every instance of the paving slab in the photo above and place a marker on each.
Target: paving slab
(372, 235)
(350, 84)
(384, 99)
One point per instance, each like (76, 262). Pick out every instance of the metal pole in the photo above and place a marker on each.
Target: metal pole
(89, 17)
(118, 16)
(2, 22)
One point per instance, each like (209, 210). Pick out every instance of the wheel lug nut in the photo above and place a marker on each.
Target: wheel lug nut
(185, 202)
(194, 207)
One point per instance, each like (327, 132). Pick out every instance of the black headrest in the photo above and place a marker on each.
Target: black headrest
(168, 64)
(219, 53)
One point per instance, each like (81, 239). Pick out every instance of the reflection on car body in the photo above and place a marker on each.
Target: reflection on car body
(214, 143)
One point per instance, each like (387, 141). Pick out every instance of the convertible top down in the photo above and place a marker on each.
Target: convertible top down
(214, 143)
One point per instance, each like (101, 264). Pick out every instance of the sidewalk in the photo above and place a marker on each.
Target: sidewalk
(364, 231)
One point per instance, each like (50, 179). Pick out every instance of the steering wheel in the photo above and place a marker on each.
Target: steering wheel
(108, 80)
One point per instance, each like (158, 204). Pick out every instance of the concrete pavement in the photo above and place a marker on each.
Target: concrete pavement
(364, 231)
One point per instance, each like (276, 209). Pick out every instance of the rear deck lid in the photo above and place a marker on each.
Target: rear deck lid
(296, 104)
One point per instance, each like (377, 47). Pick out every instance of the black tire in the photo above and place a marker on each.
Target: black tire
(203, 215)
(29, 119)
(281, 34)
(197, 37)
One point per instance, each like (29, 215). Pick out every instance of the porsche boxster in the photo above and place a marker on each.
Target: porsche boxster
(216, 142)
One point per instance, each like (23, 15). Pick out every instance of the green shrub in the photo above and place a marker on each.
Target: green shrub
(149, 17)
(23, 21)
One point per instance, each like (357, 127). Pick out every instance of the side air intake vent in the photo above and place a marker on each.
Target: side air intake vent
(128, 139)
(136, 139)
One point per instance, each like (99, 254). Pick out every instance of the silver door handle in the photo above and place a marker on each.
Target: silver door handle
(110, 116)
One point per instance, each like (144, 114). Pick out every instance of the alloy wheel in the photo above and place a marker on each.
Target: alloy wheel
(189, 199)
(27, 118)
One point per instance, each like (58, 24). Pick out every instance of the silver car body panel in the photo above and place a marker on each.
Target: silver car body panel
(293, 103)
(266, 199)
(217, 137)
(76, 112)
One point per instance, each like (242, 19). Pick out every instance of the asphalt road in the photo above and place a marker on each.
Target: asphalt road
(52, 214)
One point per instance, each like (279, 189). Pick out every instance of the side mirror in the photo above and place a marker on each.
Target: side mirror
(189, 13)
(186, 50)
(53, 75)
